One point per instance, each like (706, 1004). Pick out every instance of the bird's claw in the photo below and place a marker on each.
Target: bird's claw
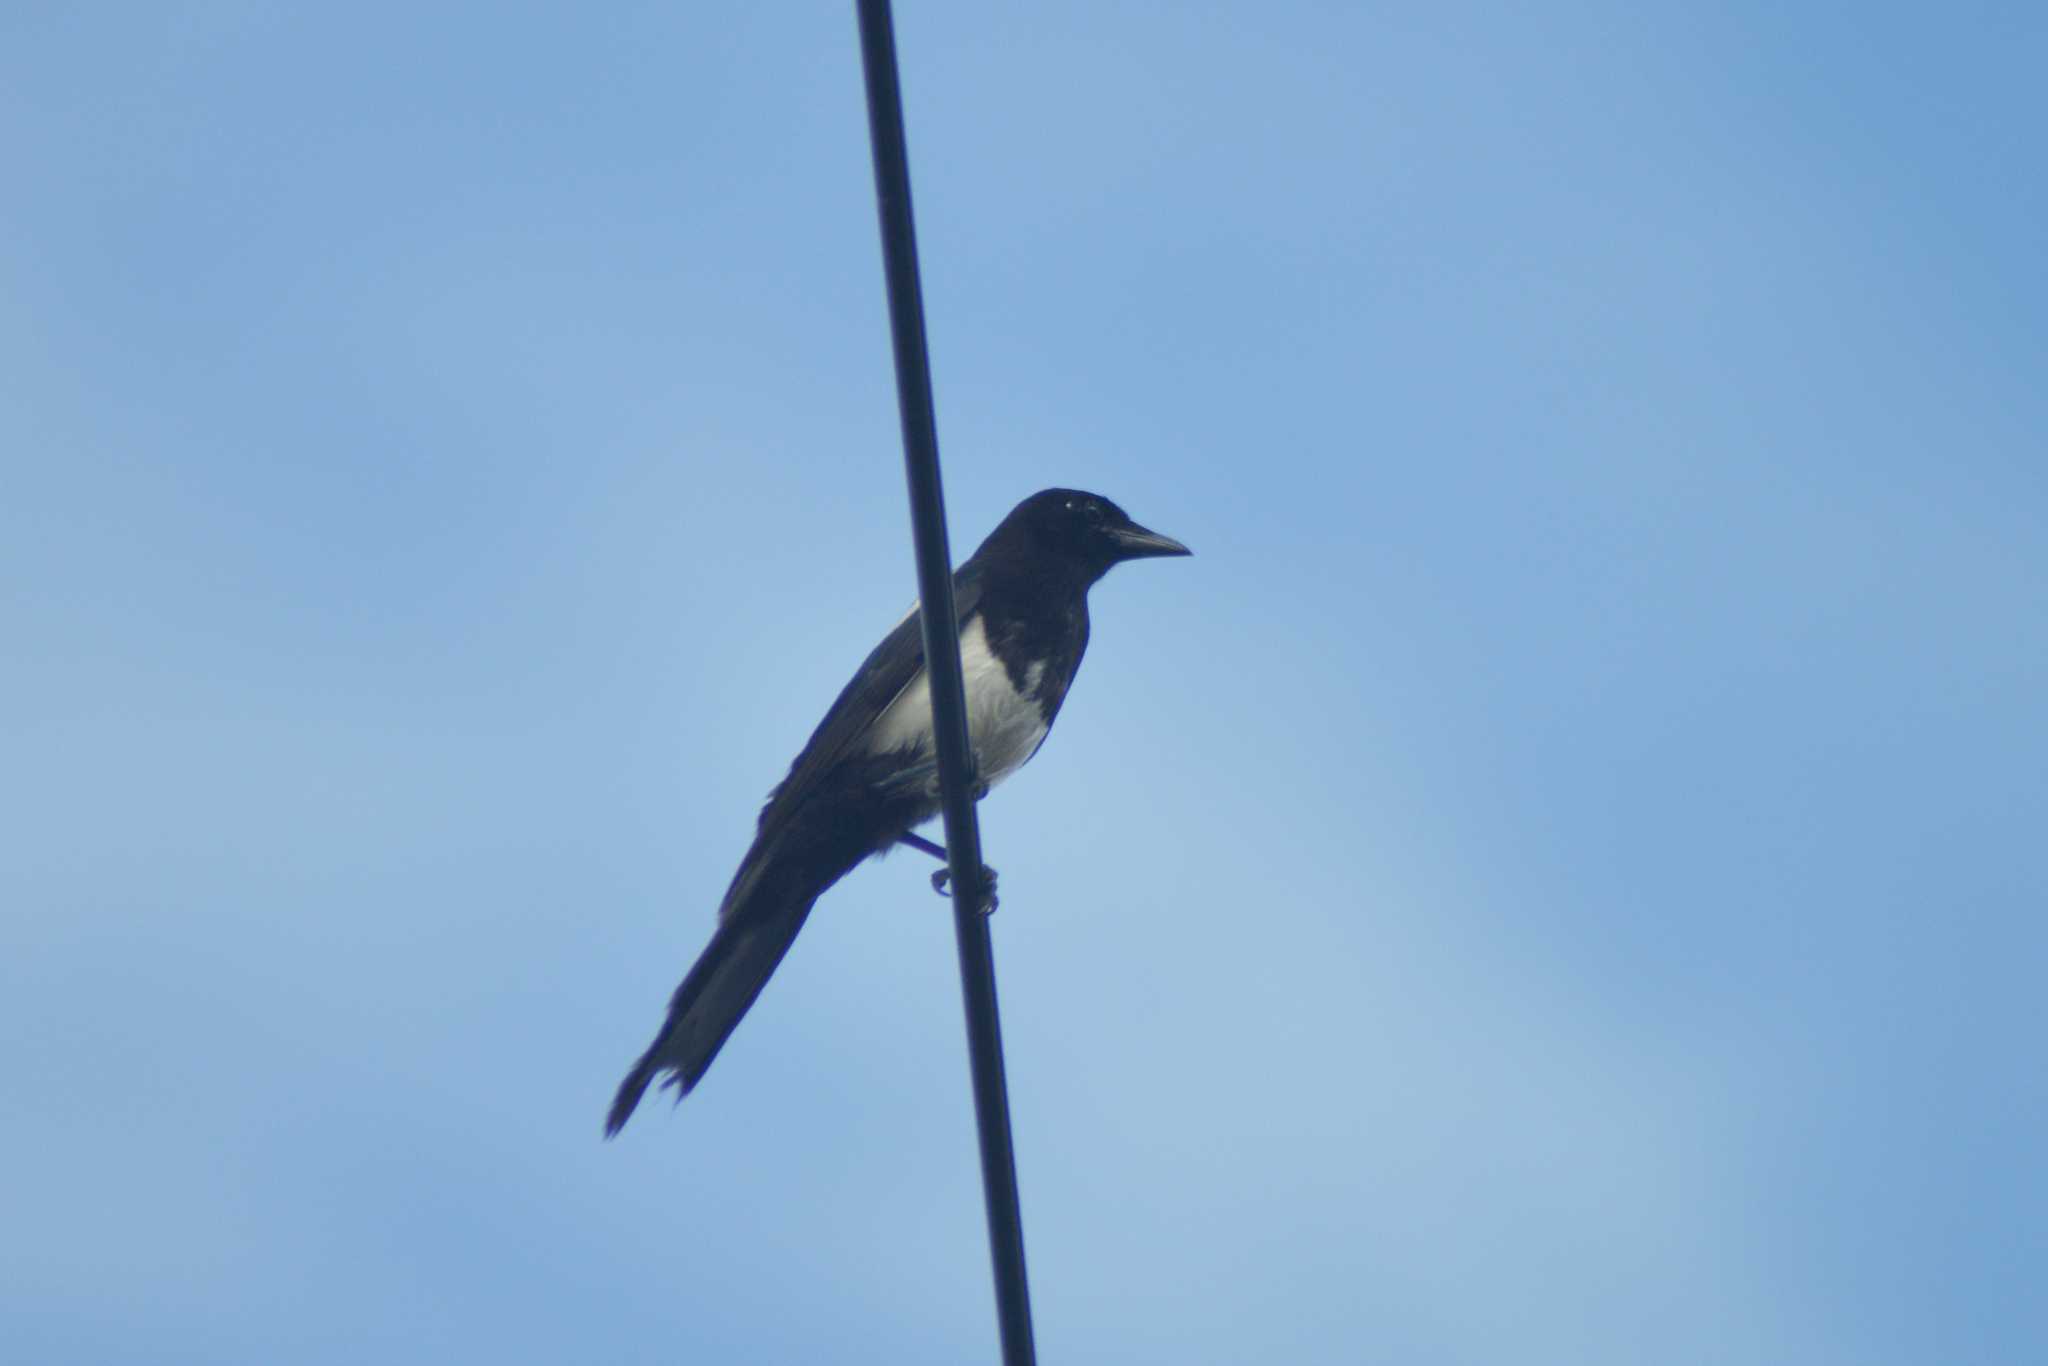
(944, 876)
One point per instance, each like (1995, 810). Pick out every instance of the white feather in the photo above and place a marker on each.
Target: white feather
(1003, 724)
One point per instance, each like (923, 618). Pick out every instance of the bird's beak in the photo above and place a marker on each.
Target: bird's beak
(1136, 543)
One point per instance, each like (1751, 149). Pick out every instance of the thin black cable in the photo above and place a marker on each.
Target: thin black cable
(942, 663)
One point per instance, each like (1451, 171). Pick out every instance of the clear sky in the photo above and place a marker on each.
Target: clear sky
(1557, 878)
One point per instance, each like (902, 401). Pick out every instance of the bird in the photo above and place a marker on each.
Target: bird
(869, 773)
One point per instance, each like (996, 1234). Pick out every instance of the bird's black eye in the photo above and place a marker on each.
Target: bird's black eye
(1094, 512)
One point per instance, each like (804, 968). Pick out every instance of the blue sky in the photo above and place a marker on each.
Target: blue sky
(1556, 878)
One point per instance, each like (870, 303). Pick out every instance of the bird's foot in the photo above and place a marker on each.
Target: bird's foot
(942, 879)
(944, 876)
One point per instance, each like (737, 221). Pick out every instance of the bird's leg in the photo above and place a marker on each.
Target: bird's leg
(917, 841)
(945, 875)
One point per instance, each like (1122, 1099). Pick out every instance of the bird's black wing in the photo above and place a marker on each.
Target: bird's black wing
(819, 822)
(889, 668)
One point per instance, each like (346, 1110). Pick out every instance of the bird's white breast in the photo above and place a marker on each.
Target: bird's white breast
(1003, 723)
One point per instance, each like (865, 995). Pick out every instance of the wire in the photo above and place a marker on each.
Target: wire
(942, 664)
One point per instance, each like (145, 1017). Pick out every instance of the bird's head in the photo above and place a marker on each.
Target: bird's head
(1084, 530)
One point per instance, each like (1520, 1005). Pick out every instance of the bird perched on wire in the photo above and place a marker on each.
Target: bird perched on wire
(870, 772)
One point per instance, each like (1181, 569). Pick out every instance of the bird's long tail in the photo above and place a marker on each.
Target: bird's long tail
(708, 1005)
(772, 895)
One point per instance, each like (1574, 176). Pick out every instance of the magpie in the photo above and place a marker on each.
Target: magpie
(870, 773)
